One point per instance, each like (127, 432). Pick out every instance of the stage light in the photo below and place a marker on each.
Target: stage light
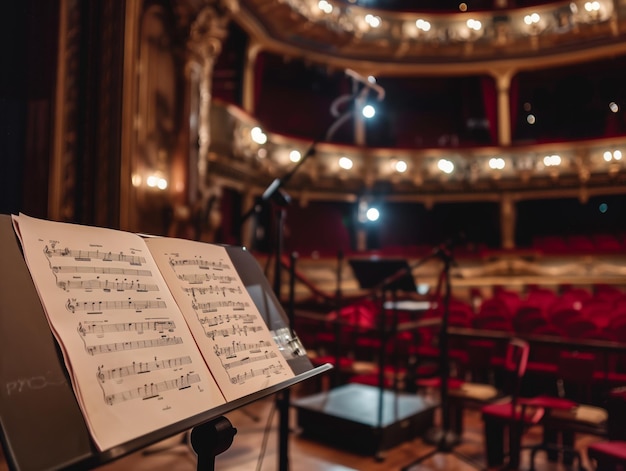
(530, 119)
(372, 214)
(614, 107)
(368, 111)
(603, 208)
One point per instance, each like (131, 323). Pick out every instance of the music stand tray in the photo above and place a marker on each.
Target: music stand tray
(376, 272)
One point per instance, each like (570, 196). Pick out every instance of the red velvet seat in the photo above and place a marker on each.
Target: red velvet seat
(514, 414)
(608, 455)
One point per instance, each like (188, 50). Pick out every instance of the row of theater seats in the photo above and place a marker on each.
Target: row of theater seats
(592, 244)
(572, 315)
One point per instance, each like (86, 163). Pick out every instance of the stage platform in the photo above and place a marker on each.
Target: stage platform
(349, 417)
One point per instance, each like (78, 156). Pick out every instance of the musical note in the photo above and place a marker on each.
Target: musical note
(140, 327)
(134, 345)
(152, 390)
(99, 306)
(241, 378)
(106, 285)
(202, 264)
(213, 306)
(141, 368)
(88, 255)
(246, 360)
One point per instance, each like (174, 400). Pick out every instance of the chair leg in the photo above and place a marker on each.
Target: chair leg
(494, 443)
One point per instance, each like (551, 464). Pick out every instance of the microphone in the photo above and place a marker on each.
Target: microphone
(372, 86)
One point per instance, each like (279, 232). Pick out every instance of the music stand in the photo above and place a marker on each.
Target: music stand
(41, 425)
(381, 276)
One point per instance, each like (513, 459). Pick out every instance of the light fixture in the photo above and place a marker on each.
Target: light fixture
(552, 160)
(615, 155)
(295, 156)
(400, 166)
(446, 166)
(496, 163)
(345, 163)
(258, 135)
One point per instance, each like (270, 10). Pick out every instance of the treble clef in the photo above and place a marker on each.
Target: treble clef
(70, 307)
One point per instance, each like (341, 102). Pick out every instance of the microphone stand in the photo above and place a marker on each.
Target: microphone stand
(445, 439)
(275, 193)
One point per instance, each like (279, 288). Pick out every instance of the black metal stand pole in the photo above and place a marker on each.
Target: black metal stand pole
(210, 439)
(444, 439)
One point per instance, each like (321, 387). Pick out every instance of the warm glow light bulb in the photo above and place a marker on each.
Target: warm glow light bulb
(295, 156)
(345, 163)
(401, 166)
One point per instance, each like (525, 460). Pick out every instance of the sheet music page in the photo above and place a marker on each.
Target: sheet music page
(134, 364)
(230, 331)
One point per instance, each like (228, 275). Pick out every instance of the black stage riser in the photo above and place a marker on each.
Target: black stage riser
(348, 417)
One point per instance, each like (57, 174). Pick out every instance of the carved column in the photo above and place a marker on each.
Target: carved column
(508, 218)
(206, 35)
(503, 84)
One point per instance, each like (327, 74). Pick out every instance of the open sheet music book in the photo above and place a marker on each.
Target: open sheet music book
(153, 330)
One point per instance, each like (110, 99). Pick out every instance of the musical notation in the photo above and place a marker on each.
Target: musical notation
(142, 367)
(226, 318)
(199, 279)
(99, 306)
(230, 351)
(213, 306)
(89, 255)
(213, 290)
(234, 330)
(241, 378)
(247, 360)
(153, 390)
(107, 285)
(101, 270)
(139, 327)
(133, 345)
(201, 264)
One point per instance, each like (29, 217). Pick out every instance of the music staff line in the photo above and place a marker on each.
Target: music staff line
(267, 371)
(142, 367)
(238, 347)
(99, 328)
(153, 390)
(212, 290)
(101, 270)
(89, 255)
(92, 307)
(213, 306)
(132, 345)
(248, 360)
(107, 285)
(202, 264)
(234, 330)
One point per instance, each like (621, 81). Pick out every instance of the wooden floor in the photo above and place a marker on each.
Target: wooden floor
(254, 449)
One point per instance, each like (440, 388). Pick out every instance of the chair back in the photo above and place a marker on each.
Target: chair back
(516, 359)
